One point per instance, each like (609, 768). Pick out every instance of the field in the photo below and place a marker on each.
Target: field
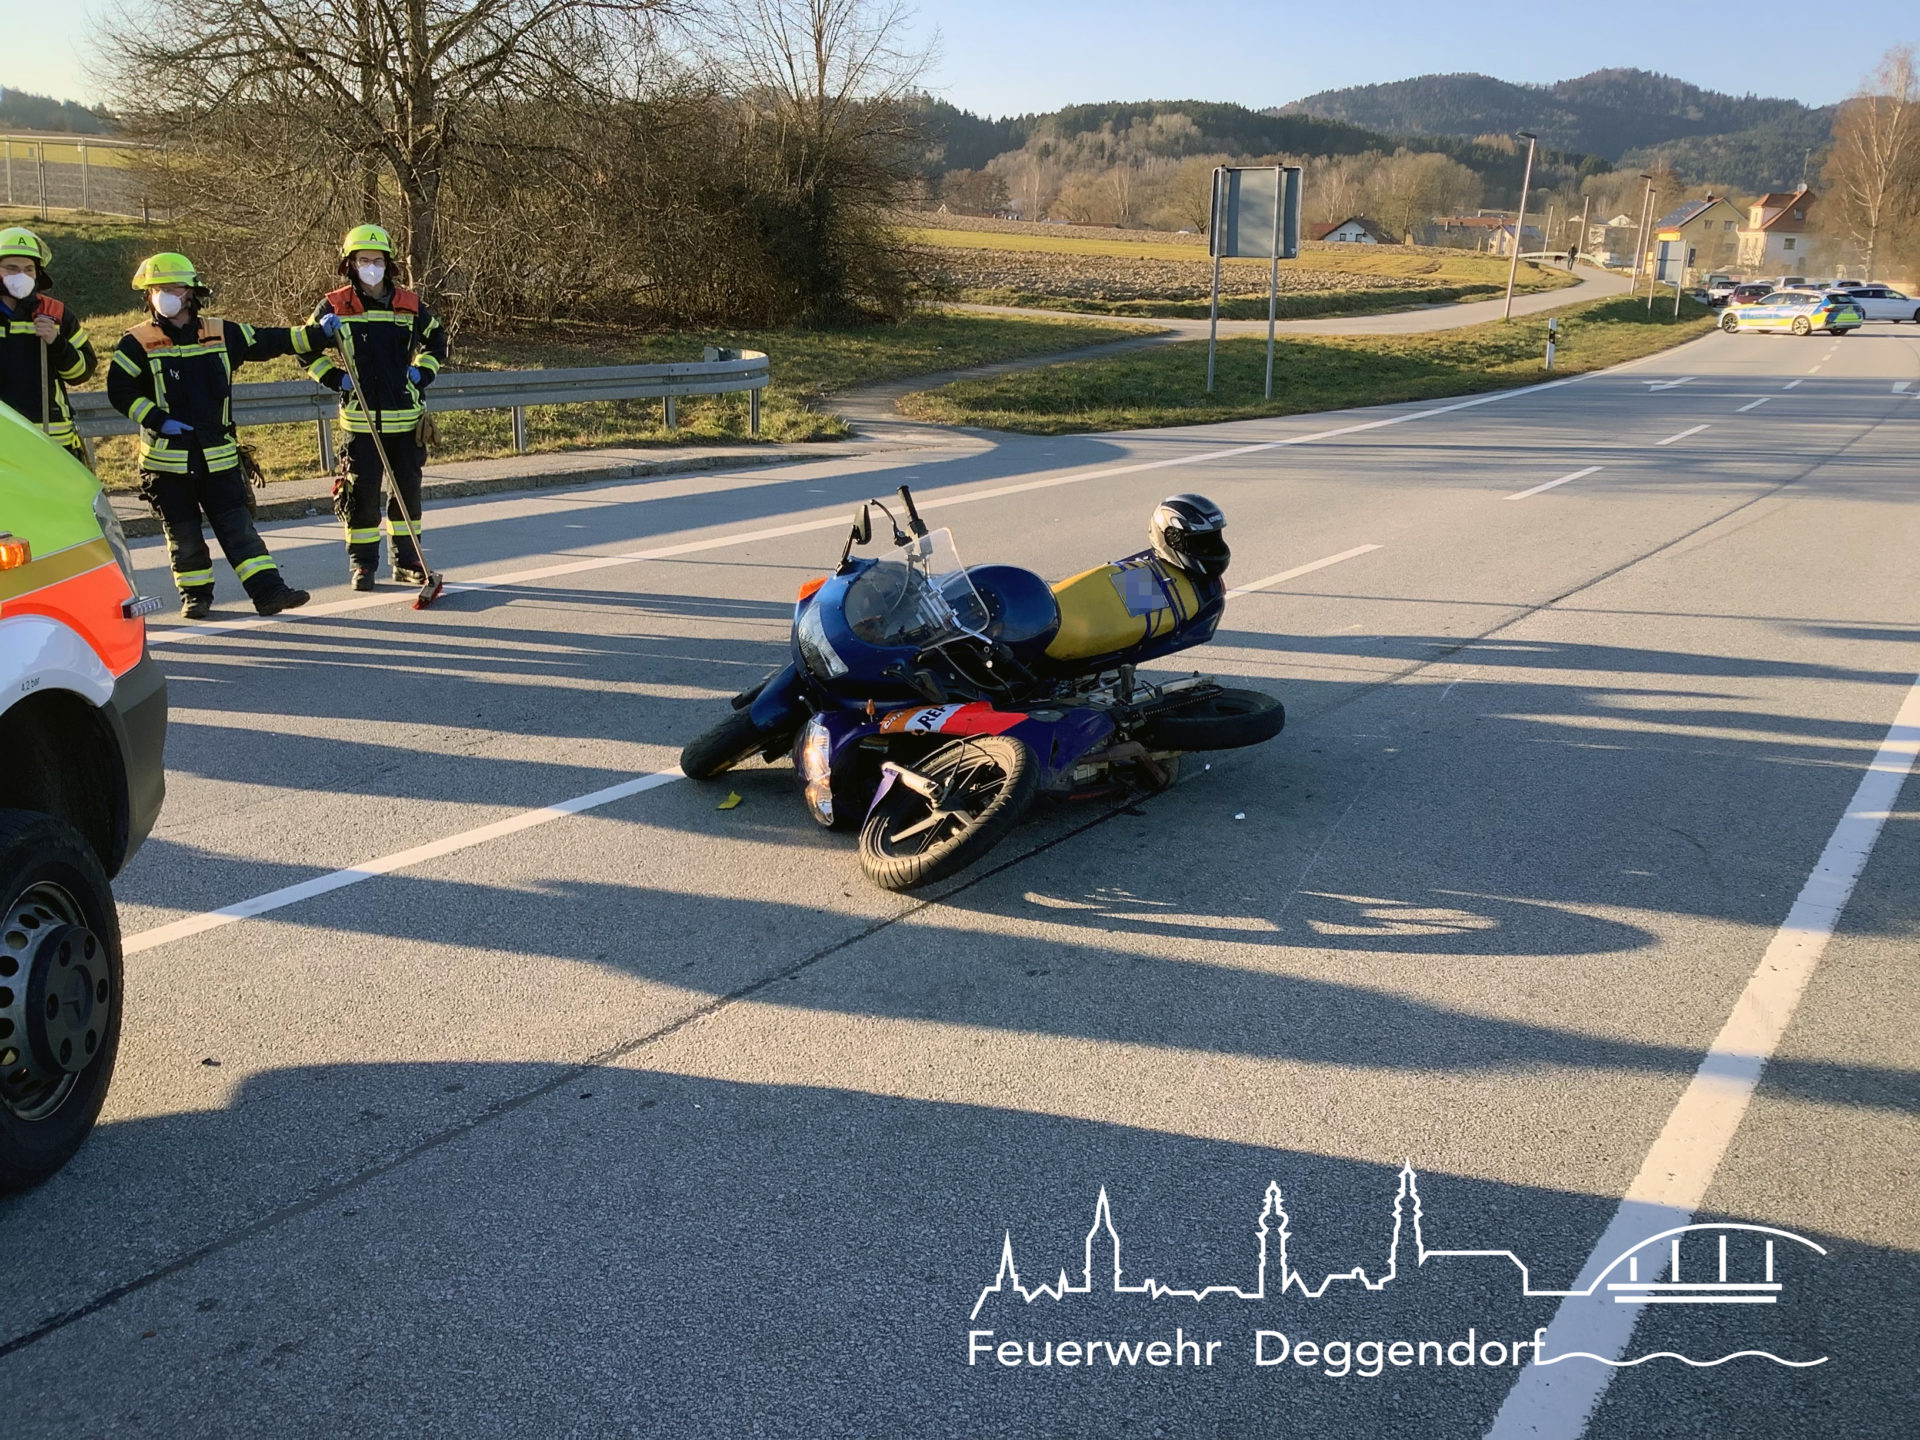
(1165, 385)
(1157, 275)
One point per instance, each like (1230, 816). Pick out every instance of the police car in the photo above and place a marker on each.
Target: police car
(1800, 312)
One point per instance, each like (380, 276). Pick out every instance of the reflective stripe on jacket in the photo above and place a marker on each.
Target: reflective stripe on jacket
(385, 336)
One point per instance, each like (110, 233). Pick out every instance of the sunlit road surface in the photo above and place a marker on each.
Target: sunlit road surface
(442, 1112)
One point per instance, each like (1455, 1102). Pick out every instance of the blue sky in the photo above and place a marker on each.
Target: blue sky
(1009, 56)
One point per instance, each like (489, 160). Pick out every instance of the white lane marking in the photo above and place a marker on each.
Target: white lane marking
(1683, 434)
(1555, 1401)
(1900, 385)
(1814, 371)
(1576, 475)
(1791, 383)
(387, 864)
(1754, 404)
(182, 634)
(1653, 385)
(1300, 570)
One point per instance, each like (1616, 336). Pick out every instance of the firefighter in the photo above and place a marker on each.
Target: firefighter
(45, 347)
(397, 347)
(173, 377)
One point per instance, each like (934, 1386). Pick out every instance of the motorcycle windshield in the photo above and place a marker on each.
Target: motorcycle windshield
(916, 594)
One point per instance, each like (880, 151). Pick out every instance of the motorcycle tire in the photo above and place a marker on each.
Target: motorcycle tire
(1215, 720)
(905, 843)
(54, 1068)
(733, 741)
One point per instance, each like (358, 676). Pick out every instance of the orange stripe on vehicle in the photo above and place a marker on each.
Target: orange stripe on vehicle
(89, 604)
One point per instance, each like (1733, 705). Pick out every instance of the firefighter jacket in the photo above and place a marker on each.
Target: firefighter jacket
(385, 336)
(184, 371)
(69, 361)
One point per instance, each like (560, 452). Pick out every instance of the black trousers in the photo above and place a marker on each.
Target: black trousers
(359, 501)
(180, 501)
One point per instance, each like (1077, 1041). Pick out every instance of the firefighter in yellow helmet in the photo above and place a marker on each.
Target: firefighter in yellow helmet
(172, 375)
(397, 347)
(43, 346)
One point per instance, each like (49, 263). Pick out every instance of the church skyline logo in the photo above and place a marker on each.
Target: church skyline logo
(1703, 1263)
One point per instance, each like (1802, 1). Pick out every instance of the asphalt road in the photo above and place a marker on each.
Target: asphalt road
(656, 1119)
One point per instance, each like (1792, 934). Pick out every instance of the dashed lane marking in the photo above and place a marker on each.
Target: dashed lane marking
(1695, 430)
(1576, 475)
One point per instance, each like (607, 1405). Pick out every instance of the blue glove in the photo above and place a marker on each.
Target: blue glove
(175, 427)
(331, 324)
(346, 383)
(413, 374)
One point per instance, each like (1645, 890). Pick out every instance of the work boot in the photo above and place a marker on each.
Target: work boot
(362, 578)
(285, 598)
(403, 575)
(196, 604)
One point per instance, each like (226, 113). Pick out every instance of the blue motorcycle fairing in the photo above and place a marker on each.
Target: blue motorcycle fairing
(781, 703)
(863, 665)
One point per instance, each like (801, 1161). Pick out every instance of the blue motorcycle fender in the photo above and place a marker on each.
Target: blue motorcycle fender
(781, 703)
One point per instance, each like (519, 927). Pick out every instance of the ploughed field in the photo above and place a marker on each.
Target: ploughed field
(1152, 274)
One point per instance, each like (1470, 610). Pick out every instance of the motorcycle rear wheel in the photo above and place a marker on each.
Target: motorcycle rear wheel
(987, 783)
(1217, 719)
(732, 742)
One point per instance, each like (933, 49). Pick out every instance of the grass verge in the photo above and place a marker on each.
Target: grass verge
(808, 365)
(1165, 385)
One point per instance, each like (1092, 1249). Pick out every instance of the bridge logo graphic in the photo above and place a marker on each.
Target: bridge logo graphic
(1707, 1263)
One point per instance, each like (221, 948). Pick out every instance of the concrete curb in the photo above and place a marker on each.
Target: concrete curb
(452, 482)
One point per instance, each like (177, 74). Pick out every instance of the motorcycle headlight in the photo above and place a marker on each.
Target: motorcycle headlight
(822, 659)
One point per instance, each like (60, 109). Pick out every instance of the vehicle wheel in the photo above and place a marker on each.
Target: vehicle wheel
(1730, 323)
(734, 740)
(60, 994)
(1215, 720)
(985, 785)
(1803, 326)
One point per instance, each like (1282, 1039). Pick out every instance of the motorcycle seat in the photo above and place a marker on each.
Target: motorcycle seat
(1117, 606)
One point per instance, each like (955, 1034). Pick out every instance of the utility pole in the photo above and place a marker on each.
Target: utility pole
(1519, 224)
(1640, 234)
(1586, 213)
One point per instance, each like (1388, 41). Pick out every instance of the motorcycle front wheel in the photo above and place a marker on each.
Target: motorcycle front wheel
(983, 785)
(732, 742)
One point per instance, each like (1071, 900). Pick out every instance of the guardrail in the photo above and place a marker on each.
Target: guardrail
(283, 402)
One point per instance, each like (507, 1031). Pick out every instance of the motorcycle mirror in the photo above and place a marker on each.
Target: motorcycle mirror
(862, 525)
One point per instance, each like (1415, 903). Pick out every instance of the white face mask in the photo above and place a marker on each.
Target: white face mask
(166, 304)
(371, 275)
(19, 285)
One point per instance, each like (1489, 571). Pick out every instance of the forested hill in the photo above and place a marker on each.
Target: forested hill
(23, 110)
(1618, 114)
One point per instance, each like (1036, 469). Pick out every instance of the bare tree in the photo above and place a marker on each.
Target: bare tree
(1872, 174)
(343, 97)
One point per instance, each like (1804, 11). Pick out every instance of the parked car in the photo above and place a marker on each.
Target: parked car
(1718, 288)
(1748, 293)
(83, 722)
(1799, 311)
(1883, 302)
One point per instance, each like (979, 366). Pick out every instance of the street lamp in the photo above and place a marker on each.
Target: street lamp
(1519, 224)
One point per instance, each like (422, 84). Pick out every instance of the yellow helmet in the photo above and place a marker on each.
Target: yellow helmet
(366, 237)
(18, 240)
(169, 267)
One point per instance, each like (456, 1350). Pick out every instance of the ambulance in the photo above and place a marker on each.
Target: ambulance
(83, 723)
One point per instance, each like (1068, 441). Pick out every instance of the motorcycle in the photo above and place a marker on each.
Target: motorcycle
(929, 703)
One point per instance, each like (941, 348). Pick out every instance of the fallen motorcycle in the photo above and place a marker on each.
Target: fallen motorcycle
(929, 703)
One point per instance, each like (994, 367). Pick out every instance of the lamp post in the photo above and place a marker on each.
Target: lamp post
(1519, 224)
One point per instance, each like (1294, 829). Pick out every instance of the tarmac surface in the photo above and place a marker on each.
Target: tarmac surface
(522, 1090)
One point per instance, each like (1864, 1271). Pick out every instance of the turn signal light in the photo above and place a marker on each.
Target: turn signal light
(807, 587)
(14, 552)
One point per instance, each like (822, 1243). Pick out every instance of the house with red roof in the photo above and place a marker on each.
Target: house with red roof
(1777, 235)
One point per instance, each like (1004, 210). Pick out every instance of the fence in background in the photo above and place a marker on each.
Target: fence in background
(73, 172)
(283, 402)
